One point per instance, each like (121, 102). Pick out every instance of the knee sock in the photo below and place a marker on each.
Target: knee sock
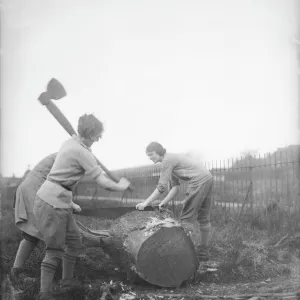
(48, 268)
(24, 251)
(69, 260)
(205, 232)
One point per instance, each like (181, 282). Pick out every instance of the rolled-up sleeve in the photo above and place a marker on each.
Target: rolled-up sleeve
(95, 172)
(89, 164)
(165, 176)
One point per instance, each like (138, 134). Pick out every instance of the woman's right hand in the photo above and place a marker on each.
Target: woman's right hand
(141, 206)
(76, 207)
(124, 183)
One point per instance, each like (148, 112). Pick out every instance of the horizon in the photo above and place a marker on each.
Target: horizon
(213, 164)
(206, 77)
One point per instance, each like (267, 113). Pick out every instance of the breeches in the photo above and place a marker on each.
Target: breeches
(197, 205)
(57, 226)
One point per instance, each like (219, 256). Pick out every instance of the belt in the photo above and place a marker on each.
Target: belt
(58, 183)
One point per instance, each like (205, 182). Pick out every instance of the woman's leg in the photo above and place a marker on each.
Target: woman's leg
(26, 246)
(197, 207)
(204, 214)
(52, 223)
(73, 245)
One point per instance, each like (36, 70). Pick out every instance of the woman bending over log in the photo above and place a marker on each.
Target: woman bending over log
(197, 203)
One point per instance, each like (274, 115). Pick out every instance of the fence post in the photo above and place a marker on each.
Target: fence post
(224, 188)
(251, 185)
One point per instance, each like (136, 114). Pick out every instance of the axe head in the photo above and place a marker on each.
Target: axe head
(55, 89)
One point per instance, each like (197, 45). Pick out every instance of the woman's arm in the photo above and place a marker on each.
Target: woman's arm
(172, 193)
(105, 182)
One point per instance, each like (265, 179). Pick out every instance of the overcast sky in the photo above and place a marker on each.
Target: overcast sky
(213, 77)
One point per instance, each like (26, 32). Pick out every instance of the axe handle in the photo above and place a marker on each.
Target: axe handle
(60, 117)
(63, 121)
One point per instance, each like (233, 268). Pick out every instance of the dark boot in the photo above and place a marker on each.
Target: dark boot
(72, 284)
(19, 278)
(44, 296)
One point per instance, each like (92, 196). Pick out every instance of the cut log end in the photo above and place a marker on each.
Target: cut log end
(167, 258)
(152, 246)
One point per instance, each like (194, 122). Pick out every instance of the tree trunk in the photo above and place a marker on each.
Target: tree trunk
(152, 246)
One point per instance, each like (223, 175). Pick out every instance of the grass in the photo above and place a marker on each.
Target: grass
(248, 252)
(243, 251)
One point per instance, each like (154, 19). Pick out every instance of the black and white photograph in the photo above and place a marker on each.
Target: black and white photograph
(150, 149)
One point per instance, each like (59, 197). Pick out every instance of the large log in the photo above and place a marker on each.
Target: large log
(153, 246)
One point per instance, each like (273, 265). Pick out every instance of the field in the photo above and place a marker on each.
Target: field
(251, 255)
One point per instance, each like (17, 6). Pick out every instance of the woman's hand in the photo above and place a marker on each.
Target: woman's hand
(124, 183)
(141, 206)
(161, 207)
(76, 207)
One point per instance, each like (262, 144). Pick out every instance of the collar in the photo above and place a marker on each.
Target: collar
(77, 139)
(164, 157)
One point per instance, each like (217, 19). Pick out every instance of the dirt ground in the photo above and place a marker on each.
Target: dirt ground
(207, 285)
(275, 288)
(210, 282)
(250, 250)
(106, 282)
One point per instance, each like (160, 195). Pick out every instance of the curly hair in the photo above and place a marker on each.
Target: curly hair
(89, 125)
(156, 147)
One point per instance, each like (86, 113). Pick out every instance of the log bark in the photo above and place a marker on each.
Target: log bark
(153, 246)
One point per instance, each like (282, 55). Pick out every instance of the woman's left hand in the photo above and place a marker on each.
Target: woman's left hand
(161, 207)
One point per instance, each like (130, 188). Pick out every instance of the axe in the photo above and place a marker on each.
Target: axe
(56, 91)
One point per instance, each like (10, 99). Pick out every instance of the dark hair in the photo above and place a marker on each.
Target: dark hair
(89, 125)
(156, 147)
